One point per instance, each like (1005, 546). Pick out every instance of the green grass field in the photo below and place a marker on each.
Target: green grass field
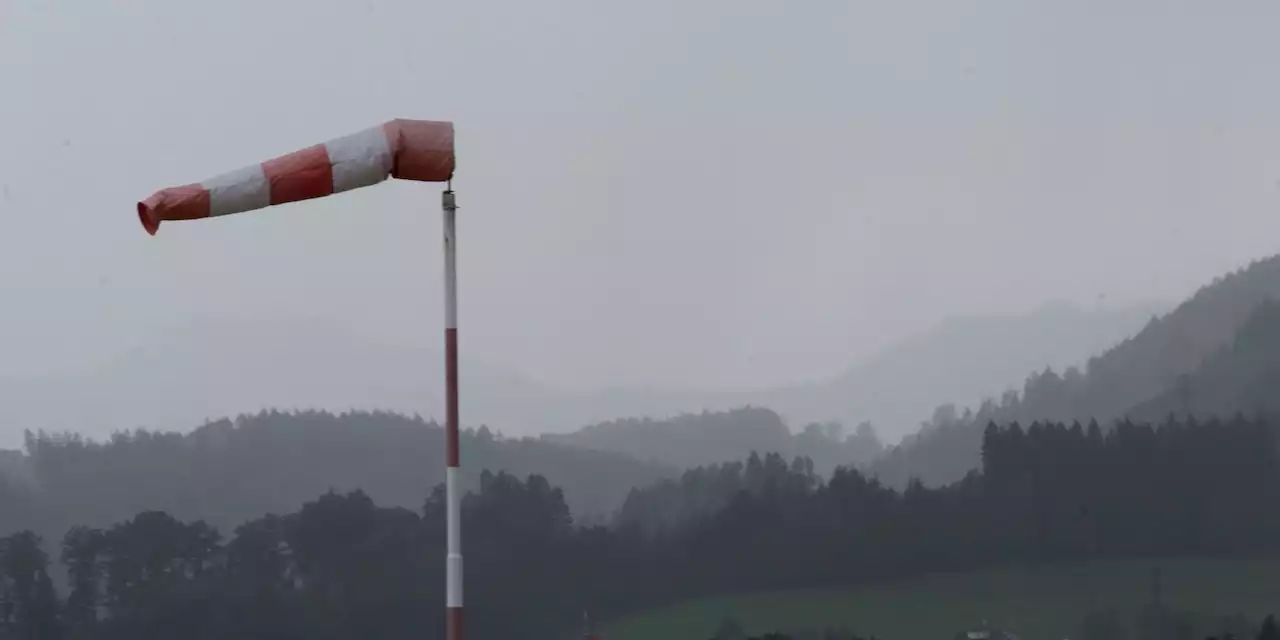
(1037, 604)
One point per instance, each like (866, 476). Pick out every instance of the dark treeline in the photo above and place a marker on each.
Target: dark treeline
(229, 472)
(342, 567)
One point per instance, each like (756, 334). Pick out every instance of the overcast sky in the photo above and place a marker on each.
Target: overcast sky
(713, 193)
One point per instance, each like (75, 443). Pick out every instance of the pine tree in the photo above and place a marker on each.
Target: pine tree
(1270, 631)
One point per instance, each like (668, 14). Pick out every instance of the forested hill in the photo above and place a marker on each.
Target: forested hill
(1151, 362)
(701, 439)
(228, 472)
(1128, 376)
(341, 567)
(1241, 377)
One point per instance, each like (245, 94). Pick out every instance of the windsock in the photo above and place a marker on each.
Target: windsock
(406, 149)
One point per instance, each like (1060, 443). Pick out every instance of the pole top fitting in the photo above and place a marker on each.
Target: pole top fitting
(447, 201)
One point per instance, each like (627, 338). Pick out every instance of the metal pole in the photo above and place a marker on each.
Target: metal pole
(453, 557)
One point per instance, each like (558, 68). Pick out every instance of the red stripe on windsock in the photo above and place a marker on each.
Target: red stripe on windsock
(301, 175)
(423, 150)
(188, 202)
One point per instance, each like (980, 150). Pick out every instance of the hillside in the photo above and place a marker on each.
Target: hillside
(954, 361)
(1241, 377)
(958, 360)
(1128, 375)
(1151, 362)
(229, 472)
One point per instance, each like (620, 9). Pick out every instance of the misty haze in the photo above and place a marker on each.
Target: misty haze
(823, 320)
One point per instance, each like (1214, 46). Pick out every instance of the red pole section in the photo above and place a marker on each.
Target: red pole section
(420, 150)
(453, 522)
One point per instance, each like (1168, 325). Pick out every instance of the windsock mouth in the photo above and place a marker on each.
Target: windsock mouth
(148, 220)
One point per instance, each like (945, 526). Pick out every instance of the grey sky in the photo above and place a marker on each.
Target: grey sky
(717, 193)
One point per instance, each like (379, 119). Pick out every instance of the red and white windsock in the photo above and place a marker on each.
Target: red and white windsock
(406, 149)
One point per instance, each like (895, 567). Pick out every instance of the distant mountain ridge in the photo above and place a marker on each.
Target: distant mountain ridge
(1139, 376)
(896, 389)
(960, 359)
(227, 367)
(222, 367)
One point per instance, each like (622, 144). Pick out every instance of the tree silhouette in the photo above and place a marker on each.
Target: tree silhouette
(1269, 631)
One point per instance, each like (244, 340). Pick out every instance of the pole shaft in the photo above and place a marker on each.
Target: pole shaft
(453, 557)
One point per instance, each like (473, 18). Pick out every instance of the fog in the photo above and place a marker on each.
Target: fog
(712, 196)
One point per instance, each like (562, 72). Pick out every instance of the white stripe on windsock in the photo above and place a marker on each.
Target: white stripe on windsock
(360, 159)
(241, 190)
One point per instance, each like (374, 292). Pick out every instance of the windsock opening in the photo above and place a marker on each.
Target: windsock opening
(149, 221)
(187, 202)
